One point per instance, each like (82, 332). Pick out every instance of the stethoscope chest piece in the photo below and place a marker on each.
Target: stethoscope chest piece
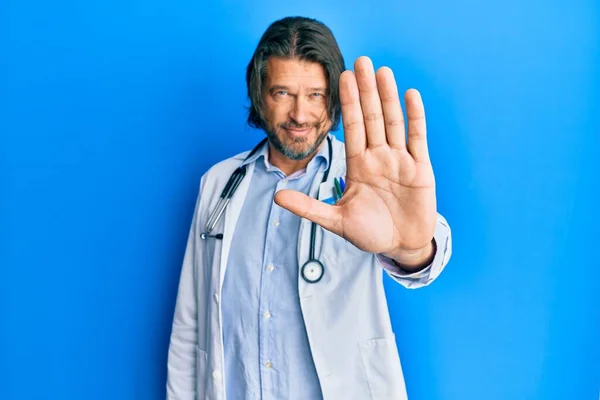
(312, 271)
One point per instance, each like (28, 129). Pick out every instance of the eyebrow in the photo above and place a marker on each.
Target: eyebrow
(277, 87)
(283, 87)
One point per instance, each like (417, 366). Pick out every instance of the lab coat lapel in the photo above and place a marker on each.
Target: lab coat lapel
(232, 214)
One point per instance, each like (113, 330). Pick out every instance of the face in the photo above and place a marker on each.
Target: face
(295, 106)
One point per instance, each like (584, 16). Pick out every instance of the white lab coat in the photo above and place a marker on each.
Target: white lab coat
(345, 314)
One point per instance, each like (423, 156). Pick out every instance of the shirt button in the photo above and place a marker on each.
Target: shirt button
(271, 267)
(276, 222)
(267, 314)
(284, 182)
(216, 374)
(268, 364)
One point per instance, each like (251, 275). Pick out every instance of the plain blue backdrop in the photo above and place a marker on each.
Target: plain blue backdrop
(110, 111)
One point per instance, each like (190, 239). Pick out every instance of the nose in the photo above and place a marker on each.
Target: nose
(300, 110)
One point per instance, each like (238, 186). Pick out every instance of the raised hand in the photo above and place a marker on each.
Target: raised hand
(389, 205)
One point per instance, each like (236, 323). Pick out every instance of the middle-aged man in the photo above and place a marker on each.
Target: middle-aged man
(281, 292)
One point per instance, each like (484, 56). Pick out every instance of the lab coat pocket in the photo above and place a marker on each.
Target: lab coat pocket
(383, 369)
(201, 378)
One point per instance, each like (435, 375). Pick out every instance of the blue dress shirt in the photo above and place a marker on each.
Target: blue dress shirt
(267, 354)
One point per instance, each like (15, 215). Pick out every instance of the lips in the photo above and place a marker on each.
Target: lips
(295, 132)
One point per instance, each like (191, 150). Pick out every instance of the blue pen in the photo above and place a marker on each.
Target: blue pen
(342, 184)
(337, 188)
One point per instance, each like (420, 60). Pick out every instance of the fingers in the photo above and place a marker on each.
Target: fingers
(370, 102)
(352, 117)
(392, 109)
(329, 217)
(417, 130)
(373, 116)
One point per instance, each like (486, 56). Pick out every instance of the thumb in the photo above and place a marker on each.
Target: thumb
(329, 217)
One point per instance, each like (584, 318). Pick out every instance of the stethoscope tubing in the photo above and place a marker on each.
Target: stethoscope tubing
(229, 190)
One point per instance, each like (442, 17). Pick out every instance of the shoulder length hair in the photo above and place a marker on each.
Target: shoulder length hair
(295, 38)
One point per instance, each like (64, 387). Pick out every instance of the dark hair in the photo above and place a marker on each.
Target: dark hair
(296, 37)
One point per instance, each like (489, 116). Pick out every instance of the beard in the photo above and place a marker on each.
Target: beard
(288, 149)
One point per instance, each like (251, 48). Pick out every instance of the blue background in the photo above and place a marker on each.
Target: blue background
(110, 111)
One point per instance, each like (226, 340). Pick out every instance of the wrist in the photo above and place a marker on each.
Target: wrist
(414, 260)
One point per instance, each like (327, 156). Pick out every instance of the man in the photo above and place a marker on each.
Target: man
(272, 305)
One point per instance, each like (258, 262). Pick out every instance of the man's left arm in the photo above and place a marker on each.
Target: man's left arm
(389, 202)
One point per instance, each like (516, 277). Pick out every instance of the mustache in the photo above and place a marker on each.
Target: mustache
(294, 125)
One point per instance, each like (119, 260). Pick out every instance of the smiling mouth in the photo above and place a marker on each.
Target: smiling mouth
(298, 132)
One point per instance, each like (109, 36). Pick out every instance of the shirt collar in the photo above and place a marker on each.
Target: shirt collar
(261, 152)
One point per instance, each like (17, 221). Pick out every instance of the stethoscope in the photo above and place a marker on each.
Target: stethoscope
(313, 270)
